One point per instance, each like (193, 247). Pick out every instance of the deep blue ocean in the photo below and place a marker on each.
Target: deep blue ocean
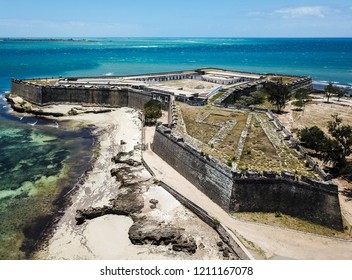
(38, 163)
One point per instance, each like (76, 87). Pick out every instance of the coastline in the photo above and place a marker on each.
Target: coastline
(103, 128)
(107, 236)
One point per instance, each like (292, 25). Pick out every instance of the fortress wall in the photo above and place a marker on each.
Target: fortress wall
(27, 91)
(308, 199)
(137, 99)
(294, 198)
(81, 95)
(112, 97)
(211, 178)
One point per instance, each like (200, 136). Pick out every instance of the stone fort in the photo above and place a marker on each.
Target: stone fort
(235, 191)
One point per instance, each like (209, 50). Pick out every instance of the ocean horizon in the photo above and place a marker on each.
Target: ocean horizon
(38, 157)
(324, 59)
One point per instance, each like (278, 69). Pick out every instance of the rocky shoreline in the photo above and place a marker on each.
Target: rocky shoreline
(130, 203)
(117, 185)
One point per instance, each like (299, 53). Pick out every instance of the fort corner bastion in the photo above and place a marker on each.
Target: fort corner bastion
(233, 190)
(238, 191)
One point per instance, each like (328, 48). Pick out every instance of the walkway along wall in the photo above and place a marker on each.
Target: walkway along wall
(308, 199)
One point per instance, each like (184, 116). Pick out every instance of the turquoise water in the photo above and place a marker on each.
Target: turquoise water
(38, 163)
(323, 59)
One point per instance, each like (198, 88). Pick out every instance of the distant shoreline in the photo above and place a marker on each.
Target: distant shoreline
(44, 40)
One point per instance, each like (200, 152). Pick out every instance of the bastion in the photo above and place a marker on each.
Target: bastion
(233, 190)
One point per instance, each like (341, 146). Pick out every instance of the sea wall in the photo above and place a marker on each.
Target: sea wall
(29, 92)
(309, 199)
(104, 96)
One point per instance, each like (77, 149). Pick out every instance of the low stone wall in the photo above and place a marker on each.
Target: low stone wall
(236, 191)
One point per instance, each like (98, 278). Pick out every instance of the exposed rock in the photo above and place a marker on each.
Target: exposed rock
(91, 213)
(149, 231)
(121, 173)
(152, 206)
(122, 142)
(188, 245)
(130, 162)
(219, 243)
(154, 201)
(124, 204)
(226, 253)
(122, 155)
(22, 106)
(125, 158)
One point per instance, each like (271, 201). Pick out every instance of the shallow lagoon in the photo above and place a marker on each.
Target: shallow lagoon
(40, 161)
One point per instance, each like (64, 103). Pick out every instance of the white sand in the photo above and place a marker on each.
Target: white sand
(107, 237)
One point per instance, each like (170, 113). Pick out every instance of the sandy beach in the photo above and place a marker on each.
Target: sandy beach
(106, 237)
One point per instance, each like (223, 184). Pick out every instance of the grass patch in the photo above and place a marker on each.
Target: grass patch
(262, 155)
(216, 96)
(201, 131)
(229, 145)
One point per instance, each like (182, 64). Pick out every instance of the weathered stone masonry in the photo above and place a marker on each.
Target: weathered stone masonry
(307, 199)
(104, 96)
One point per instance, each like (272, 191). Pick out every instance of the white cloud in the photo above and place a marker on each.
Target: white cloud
(303, 11)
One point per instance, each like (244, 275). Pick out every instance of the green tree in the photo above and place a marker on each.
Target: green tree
(313, 138)
(340, 92)
(341, 142)
(152, 110)
(301, 95)
(329, 90)
(334, 149)
(278, 94)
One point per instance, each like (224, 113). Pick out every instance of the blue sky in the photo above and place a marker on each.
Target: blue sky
(177, 18)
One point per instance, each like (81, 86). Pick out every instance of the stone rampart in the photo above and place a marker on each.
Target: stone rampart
(29, 92)
(204, 172)
(308, 200)
(92, 95)
(233, 190)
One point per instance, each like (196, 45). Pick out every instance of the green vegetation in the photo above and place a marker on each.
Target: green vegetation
(258, 152)
(264, 148)
(278, 94)
(334, 148)
(216, 96)
(331, 90)
(301, 95)
(312, 138)
(152, 111)
(250, 98)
